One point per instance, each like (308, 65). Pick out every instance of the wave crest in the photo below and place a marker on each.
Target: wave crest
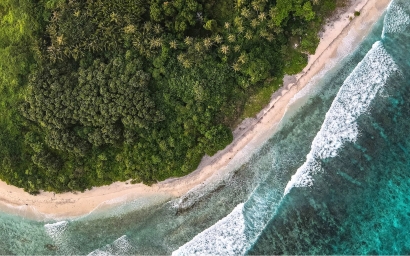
(226, 237)
(396, 20)
(353, 99)
(121, 246)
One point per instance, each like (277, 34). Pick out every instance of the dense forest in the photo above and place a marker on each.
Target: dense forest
(97, 91)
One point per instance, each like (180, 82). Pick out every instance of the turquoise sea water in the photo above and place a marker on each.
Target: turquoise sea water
(333, 180)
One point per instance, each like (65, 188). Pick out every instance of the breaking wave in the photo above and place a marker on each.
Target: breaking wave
(121, 246)
(237, 232)
(226, 237)
(56, 231)
(353, 99)
(397, 20)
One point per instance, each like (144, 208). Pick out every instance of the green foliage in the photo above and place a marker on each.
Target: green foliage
(306, 12)
(211, 25)
(309, 42)
(260, 98)
(218, 137)
(295, 63)
(280, 12)
(20, 22)
(93, 92)
(356, 13)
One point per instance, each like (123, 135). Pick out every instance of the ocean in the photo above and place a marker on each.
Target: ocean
(334, 178)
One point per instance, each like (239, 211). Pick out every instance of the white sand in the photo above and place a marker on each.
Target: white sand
(248, 136)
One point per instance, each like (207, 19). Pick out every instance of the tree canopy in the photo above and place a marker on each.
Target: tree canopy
(97, 91)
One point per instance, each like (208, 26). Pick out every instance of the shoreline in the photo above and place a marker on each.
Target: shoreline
(250, 135)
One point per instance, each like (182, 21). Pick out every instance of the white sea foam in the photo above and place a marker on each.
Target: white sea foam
(226, 237)
(121, 246)
(56, 232)
(220, 178)
(195, 194)
(353, 99)
(396, 20)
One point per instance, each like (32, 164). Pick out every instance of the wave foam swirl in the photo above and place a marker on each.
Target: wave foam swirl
(226, 237)
(56, 231)
(121, 246)
(396, 20)
(353, 99)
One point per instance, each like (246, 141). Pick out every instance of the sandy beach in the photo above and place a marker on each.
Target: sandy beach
(248, 136)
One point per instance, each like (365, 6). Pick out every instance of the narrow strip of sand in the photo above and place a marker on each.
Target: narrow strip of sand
(248, 136)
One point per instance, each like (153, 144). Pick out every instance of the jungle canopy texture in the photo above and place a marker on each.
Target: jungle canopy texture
(97, 91)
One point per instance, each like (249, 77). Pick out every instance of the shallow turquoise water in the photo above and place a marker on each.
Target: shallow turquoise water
(357, 202)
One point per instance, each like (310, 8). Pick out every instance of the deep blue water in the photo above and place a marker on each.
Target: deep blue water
(334, 179)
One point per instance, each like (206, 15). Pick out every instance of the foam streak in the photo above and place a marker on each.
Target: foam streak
(121, 246)
(226, 237)
(353, 99)
(396, 20)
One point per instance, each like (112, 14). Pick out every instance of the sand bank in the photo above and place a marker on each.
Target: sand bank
(248, 137)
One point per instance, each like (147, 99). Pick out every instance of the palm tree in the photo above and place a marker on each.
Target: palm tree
(77, 13)
(137, 43)
(231, 38)
(173, 44)
(225, 49)
(114, 17)
(272, 12)
(263, 33)
(245, 12)
(127, 18)
(254, 23)
(256, 6)
(188, 40)
(187, 63)
(157, 28)
(242, 59)
(130, 29)
(207, 43)
(181, 58)
(147, 53)
(236, 48)
(248, 35)
(270, 37)
(60, 40)
(238, 21)
(55, 53)
(56, 16)
(156, 42)
(227, 25)
(236, 67)
(52, 51)
(218, 39)
(271, 24)
(262, 16)
(147, 26)
(94, 46)
(52, 30)
(198, 47)
(238, 5)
